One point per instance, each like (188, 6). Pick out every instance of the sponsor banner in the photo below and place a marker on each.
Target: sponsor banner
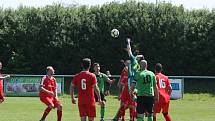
(27, 85)
(177, 88)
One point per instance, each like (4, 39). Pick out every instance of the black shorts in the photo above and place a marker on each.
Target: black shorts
(102, 97)
(145, 104)
(107, 86)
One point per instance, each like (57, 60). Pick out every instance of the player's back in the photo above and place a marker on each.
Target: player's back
(145, 83)
(163, 84)
(85, 82)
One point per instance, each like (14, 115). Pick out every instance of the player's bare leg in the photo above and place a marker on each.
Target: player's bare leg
(84, 118)
(154, 117)
(1, 100)
(91, 118)
(120, 112)
(140, 117)
(133, 112)
(59, 113)
(46, 112)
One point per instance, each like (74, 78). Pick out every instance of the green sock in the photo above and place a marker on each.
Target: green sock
(150, 117)
(102, 112)
(139, 117)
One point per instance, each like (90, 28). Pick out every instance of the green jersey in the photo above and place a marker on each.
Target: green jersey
(133, 67)
(145, 81)
(101, 79)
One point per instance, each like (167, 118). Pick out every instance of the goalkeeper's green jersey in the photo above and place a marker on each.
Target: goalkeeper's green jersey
(133, 67)
(145, 83)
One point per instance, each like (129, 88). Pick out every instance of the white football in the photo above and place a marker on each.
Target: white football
(114, 33)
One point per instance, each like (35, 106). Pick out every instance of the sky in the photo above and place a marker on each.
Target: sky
(189, 4)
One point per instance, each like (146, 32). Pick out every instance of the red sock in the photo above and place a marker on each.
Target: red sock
(132, 114)
(91, 120)
(46, 112)
(121, 112)
(154, 118)
(59, 115)
(167, 117)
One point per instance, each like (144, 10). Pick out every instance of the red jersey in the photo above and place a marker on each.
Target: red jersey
(163, 84)
(49, 84)
(85, 82)
(1, 82)
(124, 82)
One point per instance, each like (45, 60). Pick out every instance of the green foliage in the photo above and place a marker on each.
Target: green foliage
(32, 38)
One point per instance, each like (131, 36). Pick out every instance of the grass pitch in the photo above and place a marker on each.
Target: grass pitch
(193, 107)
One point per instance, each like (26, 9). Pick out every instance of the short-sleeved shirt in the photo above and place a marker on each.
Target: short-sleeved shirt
(101, 79)
(145, 81)
(49, 84)
(85, 82)
(163, 84)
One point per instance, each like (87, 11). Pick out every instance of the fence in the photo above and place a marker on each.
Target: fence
(27, 85)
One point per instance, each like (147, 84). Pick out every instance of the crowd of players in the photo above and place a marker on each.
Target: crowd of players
(141, 91)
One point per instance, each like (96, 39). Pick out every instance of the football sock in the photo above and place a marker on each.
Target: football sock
(102, 112)
(59, 115)
(132, 114)
(154, 118)
(150, 117)
(167, 116)
(46, 112)
(122, 112)
(139, 117)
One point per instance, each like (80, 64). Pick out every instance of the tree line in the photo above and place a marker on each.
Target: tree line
(32, 38)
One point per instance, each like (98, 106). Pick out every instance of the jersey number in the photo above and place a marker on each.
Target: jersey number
(162, 83)
(83, 84)
(147, 79)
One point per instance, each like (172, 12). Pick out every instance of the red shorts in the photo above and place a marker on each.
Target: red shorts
(1, 94)
(161, 106)
(87, 110)
(128, 101)
(50, 101)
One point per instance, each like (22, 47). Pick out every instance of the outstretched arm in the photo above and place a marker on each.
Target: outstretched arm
(129, 47)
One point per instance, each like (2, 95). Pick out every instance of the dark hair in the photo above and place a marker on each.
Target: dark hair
(158, 67)
(86, 63)
(95, 64)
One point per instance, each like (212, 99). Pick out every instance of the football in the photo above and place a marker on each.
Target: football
(114, 33)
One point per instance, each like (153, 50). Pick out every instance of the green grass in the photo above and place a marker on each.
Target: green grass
(193, 107)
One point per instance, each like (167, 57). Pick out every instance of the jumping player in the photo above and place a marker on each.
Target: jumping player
(86, 83)
(126, 100)
(2, 98)
(165, 89)
(48, 94)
